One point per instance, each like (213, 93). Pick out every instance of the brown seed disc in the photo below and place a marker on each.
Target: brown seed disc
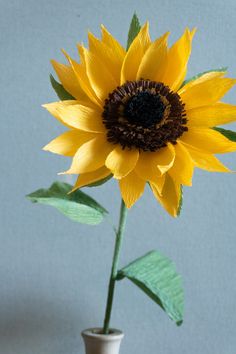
(145, 115)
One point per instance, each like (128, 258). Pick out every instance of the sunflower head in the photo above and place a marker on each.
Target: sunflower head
(130, 114)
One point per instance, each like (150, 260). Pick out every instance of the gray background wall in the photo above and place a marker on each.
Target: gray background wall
(54, 273)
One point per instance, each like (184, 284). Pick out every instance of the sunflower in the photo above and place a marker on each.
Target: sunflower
(133, 117)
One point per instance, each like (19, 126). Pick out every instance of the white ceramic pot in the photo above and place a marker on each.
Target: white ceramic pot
(97, 343)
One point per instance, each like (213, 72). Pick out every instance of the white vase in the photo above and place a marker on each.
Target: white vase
(97, 343)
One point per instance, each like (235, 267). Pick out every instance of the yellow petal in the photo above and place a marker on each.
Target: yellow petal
(205, 92)
(151, 165)
(206, 161)
(77, 116)
(69, 80)
(170, 197)
(159, 183)
(82, 77)
(177, 58)
(100, 77)
(107, 56)
(121, 161)
(183, 168)
(91, 177)
(81, 49)
(90, 156)
(134, 55)
(153, 64)
(166, 157)
(208, 140)
(146, 167)
(112, 43)
(202, 78)
(52, 108)
(54, 104)
(68, 143)
(210, 116)
(131, 188)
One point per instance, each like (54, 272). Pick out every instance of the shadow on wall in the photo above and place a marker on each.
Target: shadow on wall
(36, 326)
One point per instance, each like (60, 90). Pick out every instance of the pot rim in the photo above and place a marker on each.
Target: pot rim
(95, 333)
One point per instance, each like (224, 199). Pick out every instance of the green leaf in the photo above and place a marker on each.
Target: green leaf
(229, 134)
(99, 183)
(155, 274)
(77, 206)
(133, 30)
(204, 72)
(60, 91)
(180, 201)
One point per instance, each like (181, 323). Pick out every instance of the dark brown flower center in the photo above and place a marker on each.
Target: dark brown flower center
(145, 115)
(144, 109)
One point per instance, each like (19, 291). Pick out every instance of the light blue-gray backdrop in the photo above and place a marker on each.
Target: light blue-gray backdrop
(53, 272)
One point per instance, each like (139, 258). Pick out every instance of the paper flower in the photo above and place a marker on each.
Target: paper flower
(131, 115)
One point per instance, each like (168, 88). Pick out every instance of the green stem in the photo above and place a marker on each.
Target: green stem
(114, 269)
